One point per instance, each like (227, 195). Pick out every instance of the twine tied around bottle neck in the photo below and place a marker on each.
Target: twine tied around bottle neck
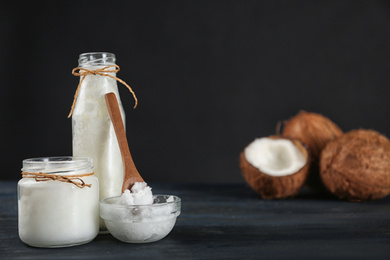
(73, 179)
(83, 72)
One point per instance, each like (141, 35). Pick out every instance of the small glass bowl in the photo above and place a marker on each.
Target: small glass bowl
(140, 223)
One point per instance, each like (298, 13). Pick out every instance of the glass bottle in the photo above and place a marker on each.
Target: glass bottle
(93, 132)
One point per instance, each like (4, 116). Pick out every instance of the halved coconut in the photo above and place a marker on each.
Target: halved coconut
(275, 167)
(356, 166)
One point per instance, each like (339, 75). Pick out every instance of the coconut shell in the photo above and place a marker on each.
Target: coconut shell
(272, 187)
(356, 166)
(314, 130)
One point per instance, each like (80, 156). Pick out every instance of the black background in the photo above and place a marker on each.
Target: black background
(210, 76)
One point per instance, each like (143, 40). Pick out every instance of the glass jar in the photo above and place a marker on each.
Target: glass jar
(58, 202)
(93, 132)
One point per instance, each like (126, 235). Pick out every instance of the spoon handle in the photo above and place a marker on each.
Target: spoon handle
(131, 174)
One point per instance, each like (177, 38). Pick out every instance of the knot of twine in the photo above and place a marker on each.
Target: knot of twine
(74, 179)
(83, 72)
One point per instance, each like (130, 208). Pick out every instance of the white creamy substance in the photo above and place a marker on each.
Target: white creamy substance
(94, 135)
(140, 223)
(276, 157)
(57, 214)
(140, 194)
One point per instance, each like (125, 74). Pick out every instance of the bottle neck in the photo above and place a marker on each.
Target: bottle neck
(95, 59)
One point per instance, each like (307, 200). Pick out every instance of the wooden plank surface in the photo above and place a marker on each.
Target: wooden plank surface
(229, 221)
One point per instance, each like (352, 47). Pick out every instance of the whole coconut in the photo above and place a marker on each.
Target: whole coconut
(356, 166)
(314, 130)
(275, 167)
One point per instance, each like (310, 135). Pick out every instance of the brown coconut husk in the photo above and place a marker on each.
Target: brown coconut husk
(272, 187)
(314, 130)
(356, 166)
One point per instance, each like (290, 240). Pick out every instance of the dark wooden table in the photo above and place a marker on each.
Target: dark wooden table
(229, 221)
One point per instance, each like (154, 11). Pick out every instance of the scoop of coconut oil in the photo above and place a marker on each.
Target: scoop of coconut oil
(140, 194)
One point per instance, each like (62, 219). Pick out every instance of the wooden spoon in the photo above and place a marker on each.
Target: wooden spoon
(131, 175)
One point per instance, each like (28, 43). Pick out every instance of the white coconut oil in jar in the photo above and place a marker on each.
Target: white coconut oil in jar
(93, 133)
(58, 202)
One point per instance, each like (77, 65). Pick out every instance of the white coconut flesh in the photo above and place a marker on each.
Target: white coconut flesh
(275, 157)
